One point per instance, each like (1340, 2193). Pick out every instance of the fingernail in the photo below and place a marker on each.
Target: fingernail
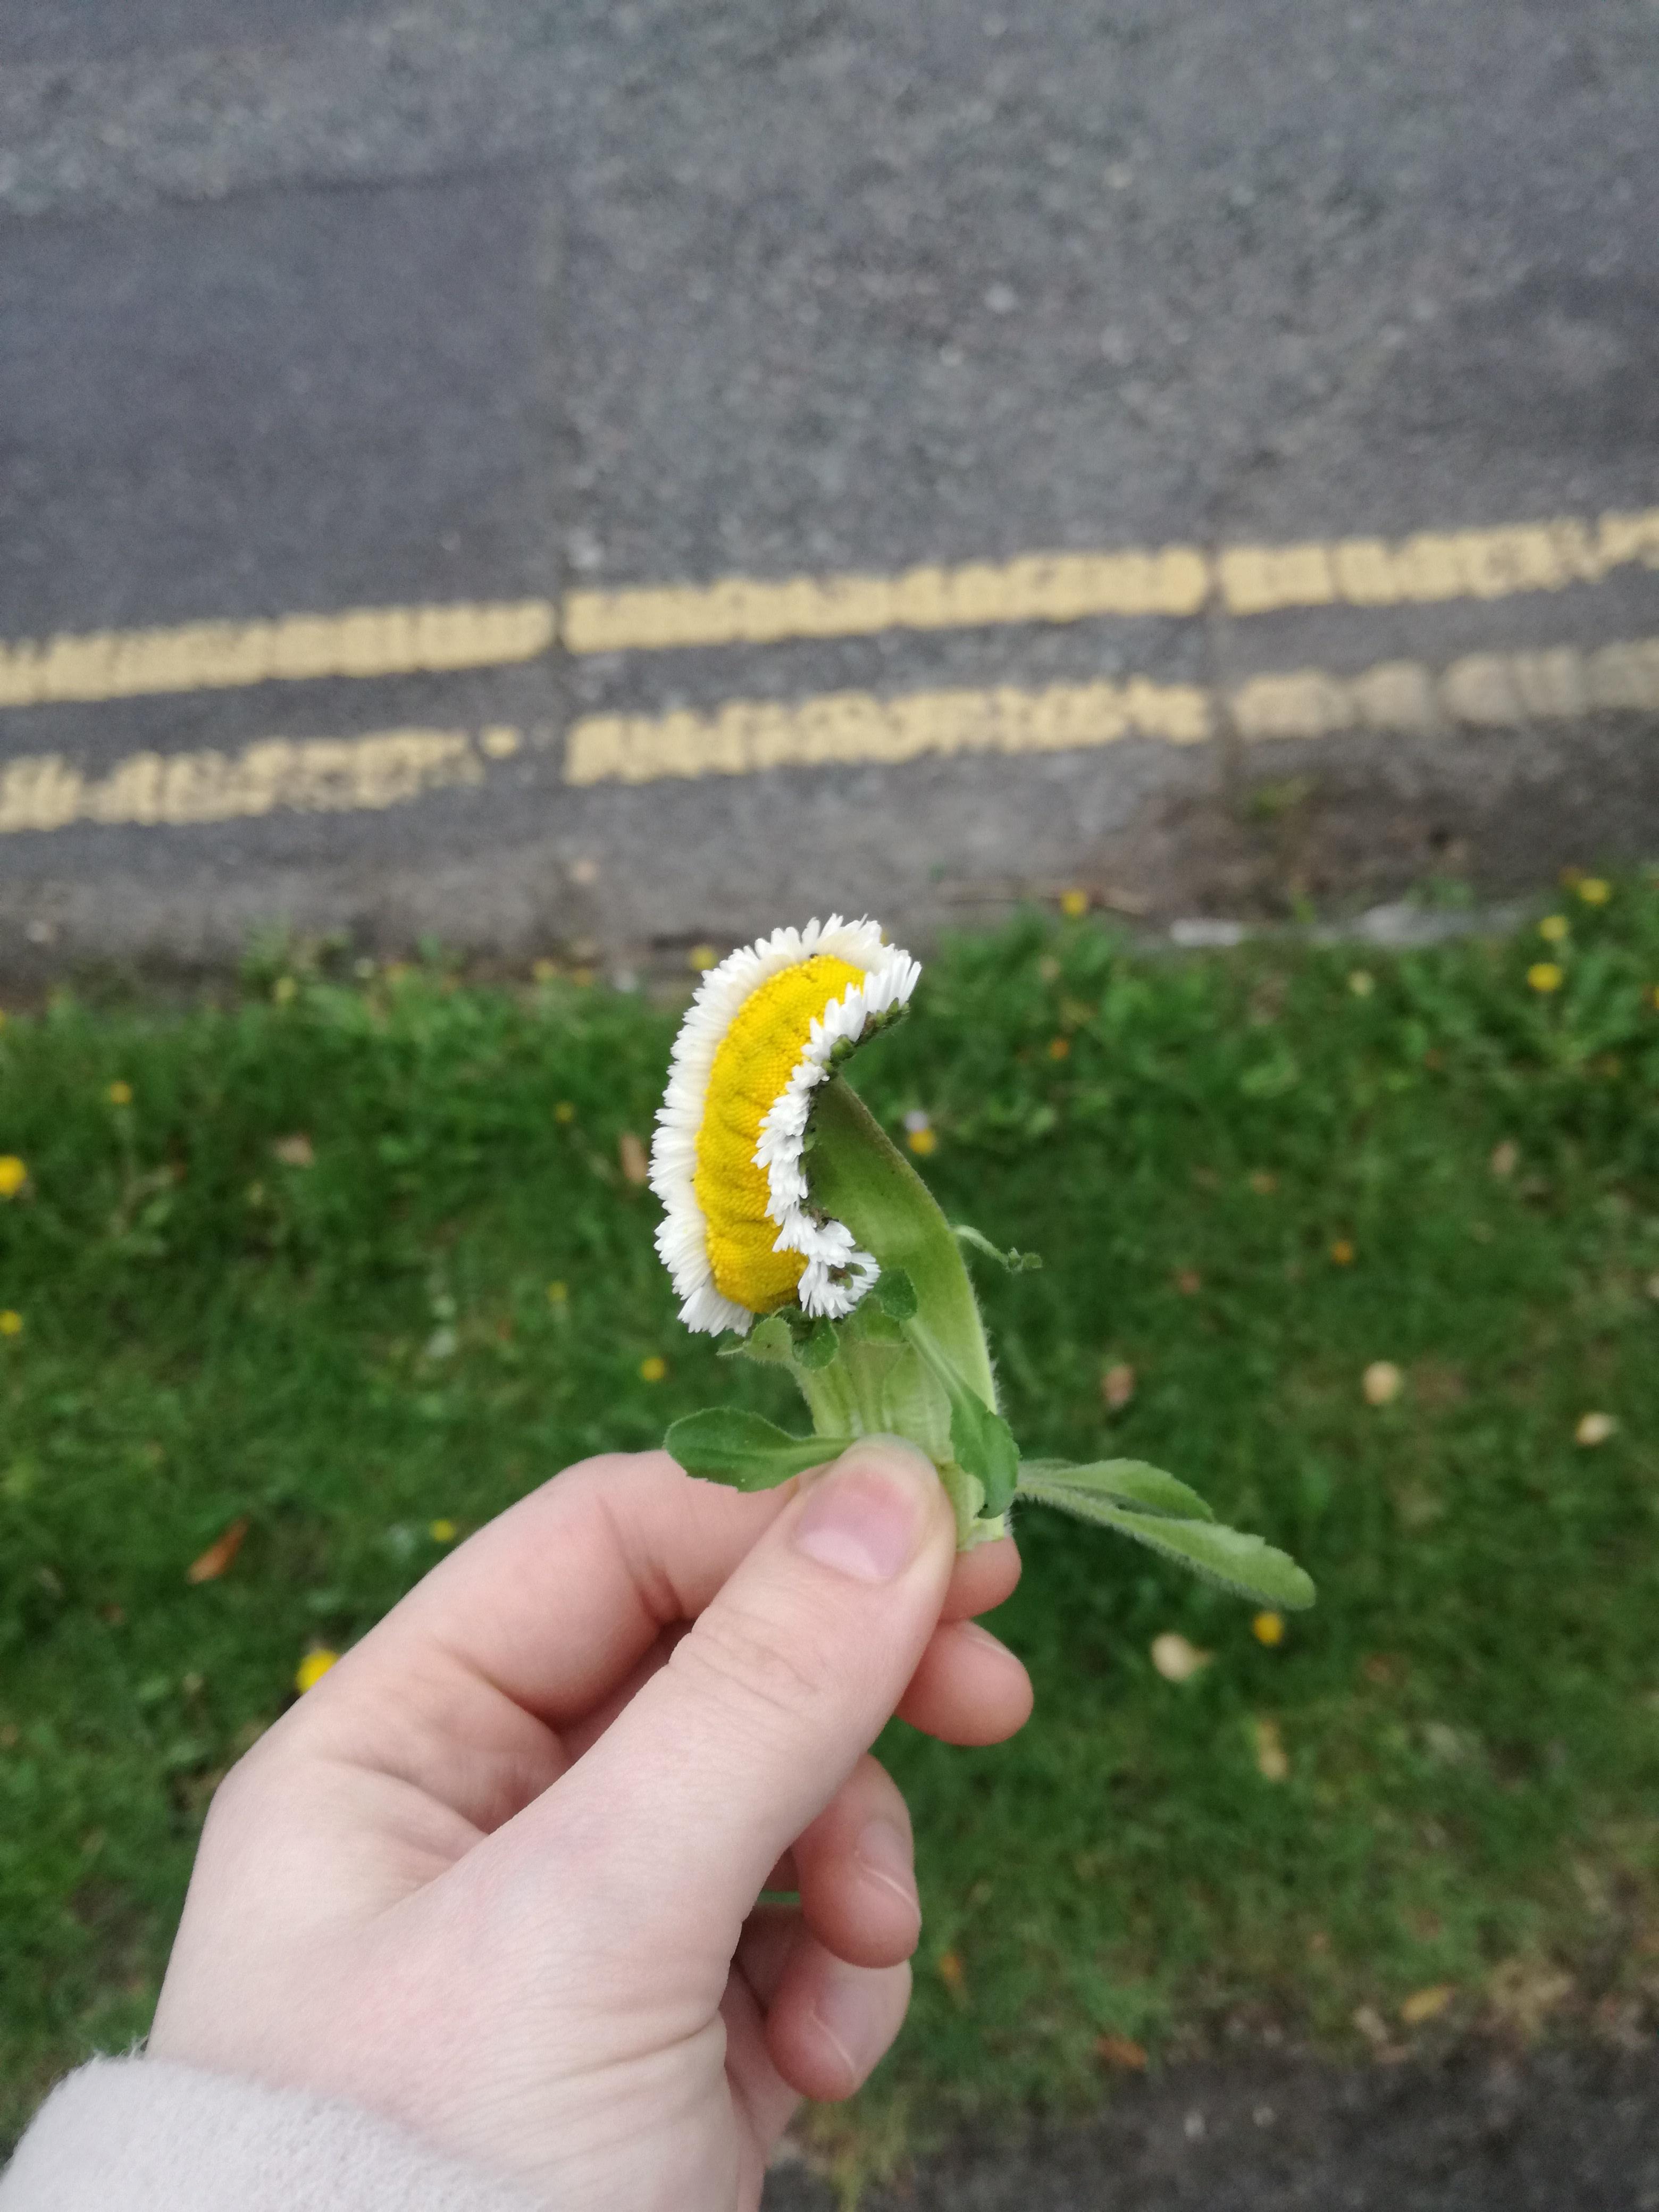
(865, 1518)
(842, 2013)
(884, 1853)
(983, 1637)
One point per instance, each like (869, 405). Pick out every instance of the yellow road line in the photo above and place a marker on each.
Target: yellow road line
(854, 728)
(223, 655)
(391, 767)
(308, 775)
(1037, 587)
(1061, 588)
(845, 727)
(1045, 587)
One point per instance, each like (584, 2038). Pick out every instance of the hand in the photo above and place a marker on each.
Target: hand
(495, 1876)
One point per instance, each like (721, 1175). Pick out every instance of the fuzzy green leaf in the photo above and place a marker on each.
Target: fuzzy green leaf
(1226, 1557)
(1017, 1263)
(1125, 1482)
(725, 1444)
(895, 1294)
(982, 1442)
(816, 1346)
(768, 1343)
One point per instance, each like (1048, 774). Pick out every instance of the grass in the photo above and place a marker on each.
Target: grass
(359, 1255)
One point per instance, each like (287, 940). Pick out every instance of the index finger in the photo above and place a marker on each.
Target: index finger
(555, 1601)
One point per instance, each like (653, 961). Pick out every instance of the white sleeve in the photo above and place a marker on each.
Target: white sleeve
(144, 2135)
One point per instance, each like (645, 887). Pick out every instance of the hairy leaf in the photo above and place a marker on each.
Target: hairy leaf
(1126, 1482)
(1226, 1557)
(725, 1444)
(1017, 1263)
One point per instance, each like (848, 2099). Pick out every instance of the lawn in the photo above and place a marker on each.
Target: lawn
(354, 1258)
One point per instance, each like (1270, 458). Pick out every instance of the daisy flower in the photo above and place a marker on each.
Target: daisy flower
(741, 1236)
(792, 1219)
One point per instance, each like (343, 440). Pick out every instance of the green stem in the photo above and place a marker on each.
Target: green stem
(859, 1176)
(879, 1383)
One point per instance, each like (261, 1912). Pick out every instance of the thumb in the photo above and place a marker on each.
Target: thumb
(726, 1756)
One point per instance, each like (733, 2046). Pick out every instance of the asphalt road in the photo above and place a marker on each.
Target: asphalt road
(309, 306)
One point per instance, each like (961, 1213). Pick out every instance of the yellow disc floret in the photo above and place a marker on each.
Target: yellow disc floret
(751, 1069)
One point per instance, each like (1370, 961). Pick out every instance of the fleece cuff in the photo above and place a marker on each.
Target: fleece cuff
(144, 2135)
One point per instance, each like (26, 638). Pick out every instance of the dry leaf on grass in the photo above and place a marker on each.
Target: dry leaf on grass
(1178, 1660)
(630, 1154)
(218, 1556)
(1117, 1387)
(1427, 2004)
(1273, 1761)
(1595, 1429)
(1523, 1993)
(952, 1973)
(1382, 1382)
(295, 1152)
(1122, 2051)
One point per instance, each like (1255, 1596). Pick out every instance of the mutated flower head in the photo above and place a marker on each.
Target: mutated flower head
(740, 1235)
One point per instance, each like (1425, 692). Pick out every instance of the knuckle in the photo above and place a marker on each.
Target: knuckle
(743, 1661)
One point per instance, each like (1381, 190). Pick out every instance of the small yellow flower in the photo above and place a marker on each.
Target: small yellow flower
(1060, 1047)
(558, 1294)
(13, 1174)
(120, 1094)
(442, 1532)
(544, 971)
(1544, 975)
(582, 978)
(564, 1113)
(1074, 904)
(700, 958)
(284, 990)
(1555, 928)
(11, 1324)
(312, 1670)
(1342, 1252)
(653, 1369)
(1594, 890)
(1362, 983)
(922, 1142)
(1268, 1628)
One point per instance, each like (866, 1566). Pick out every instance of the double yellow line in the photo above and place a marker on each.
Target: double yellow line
(387, 768)
(1038, 587)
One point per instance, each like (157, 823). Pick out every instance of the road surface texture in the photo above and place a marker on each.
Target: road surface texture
(1207, 455)
(1560, 2133)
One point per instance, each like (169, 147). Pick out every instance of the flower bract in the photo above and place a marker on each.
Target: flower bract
(741, 1236)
